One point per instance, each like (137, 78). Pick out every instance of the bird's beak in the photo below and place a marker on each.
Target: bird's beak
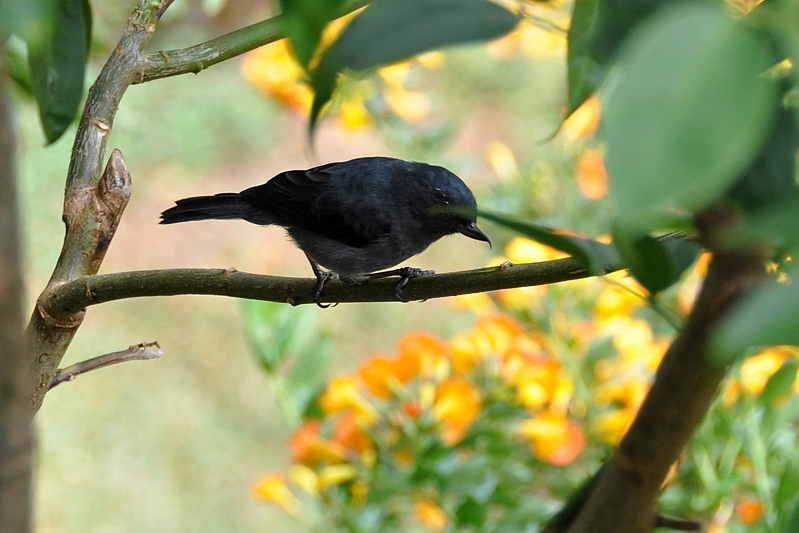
(473, 232)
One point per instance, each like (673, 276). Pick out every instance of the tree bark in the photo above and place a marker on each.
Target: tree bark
(16, 381)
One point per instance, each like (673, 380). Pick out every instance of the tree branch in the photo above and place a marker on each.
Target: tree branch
(61, 302)
(625, 496)
(138, 352)
(199, 57)
(93, 199)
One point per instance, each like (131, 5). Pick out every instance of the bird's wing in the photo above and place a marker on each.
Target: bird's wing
(309, 199)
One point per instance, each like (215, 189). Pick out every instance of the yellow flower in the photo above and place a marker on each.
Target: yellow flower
(304, 478)
(612, 425)
(523, 250)
(273, 488)
(457, 406)
(478, 303)
(585, 119)
(336, 475)
(352, 112)
(758, 369)
(343, 393)
(554, 438)
(273, 70)
(431, 515)
(501, 158)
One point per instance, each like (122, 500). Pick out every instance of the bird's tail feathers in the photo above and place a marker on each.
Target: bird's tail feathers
(220, 207)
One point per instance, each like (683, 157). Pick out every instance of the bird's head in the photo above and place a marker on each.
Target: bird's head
(452, 205)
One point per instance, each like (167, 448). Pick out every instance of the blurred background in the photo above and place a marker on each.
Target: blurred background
(177, 443)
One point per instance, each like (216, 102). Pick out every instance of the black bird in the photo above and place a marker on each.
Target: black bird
(355, 217)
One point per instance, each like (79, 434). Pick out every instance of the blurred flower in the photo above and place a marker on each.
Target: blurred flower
(555, 438)
(758, 369)
(479, 303)
(379, 376)
(611, 426)
(348, 433)
(336, 475)
(617, 300)
(592, 177)
(421, 353)
(273, 70)
(309, 448)
(430, 515)
(273, 488)
(457, 406)
(524, 250)
(304, 478)
(501, 158)
(343, 393)
(532, 40)
(748, 511)
(353, 113)
(584, 120)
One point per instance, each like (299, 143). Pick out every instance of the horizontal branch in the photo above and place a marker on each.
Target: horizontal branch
(138, 352)
(194, 59)
(60, 302)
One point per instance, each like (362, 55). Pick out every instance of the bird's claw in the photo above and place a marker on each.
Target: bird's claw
(322, 277)
(406, 274)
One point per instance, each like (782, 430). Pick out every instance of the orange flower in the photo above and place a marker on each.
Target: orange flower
(554, 438)
(431, 515)
(377, 373)
(349, 434)
(592, 177)
(420, 353)
(457, 406)
(273, 488)
(749, 511)
(309, 448)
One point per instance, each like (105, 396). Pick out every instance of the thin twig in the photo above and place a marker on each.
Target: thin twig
(138, 352)
(164, 6)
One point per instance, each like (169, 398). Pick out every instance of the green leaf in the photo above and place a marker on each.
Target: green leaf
(585, 71)
(16, 67)
(772, 175)
(777, 226)
(593, 255)
(28, 19)
(598, 29)
(657, 264)
(57, 66)
(769, 316)
(781, 381)
(388, 31)
(304, 21)
(792, 523)
(686, 114)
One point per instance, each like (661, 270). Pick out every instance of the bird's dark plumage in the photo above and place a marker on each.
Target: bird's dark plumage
(355, 217)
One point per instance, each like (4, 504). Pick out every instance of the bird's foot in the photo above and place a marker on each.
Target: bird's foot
(322, 277)
(406, 274)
